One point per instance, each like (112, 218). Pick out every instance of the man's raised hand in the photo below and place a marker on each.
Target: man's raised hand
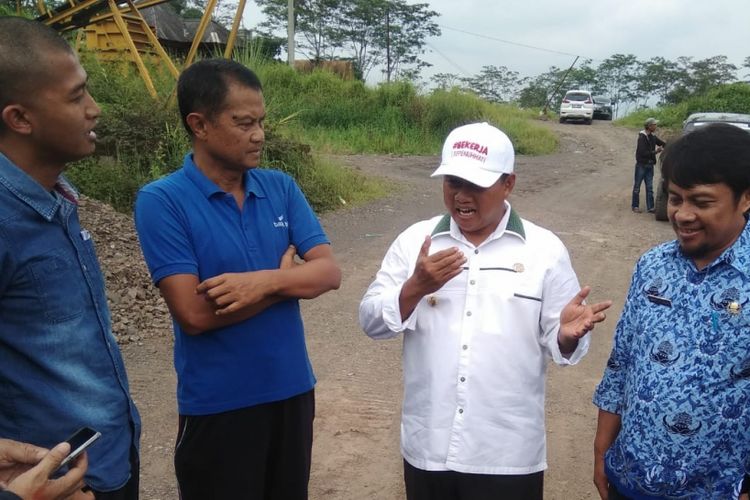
(577, 319)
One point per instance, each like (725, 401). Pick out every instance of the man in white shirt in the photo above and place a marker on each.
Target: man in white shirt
(481, 296)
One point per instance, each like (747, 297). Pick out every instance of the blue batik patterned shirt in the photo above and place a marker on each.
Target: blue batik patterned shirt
(679, 377)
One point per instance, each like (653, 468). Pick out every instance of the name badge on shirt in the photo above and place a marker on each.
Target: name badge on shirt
(85, 235)
(662, 301)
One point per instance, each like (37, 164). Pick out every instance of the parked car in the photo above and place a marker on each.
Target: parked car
(577, 105)
(691, 123)
(602, 107)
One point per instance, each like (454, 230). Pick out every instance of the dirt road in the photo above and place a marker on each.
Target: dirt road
(581, 193)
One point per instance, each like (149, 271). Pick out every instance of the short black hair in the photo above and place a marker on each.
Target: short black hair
(713, 154)
(203, 86)
(26, 48)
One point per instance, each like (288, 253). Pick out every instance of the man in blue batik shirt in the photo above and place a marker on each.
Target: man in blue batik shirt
(674, 402)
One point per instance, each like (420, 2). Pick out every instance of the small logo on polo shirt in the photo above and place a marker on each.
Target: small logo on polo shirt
(281, 222)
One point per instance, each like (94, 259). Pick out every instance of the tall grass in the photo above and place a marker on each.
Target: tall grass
(338, 116)
(142, 139)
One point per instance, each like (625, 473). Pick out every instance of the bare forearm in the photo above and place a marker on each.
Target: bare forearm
(567, 345)
(409, 298)
(308, 280)
(607, 429)
(202, 317)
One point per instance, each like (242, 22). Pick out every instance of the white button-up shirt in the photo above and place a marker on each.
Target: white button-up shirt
(475, 352)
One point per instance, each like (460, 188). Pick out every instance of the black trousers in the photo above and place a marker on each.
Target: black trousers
(615, 495)
(261, 452)
(130, 490)
(450, 485)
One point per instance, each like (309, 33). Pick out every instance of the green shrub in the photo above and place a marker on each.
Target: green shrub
(730, 98)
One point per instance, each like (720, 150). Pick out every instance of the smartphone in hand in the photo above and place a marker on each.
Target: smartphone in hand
(79, 441)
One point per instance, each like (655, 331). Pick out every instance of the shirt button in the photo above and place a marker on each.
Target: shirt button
(85, 268)
(476, 250)
(463, 379)
(464, 347)
(468, 313)
(472, 282)
(460, 410)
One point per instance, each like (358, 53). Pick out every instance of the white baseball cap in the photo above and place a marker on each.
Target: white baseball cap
(478, 153)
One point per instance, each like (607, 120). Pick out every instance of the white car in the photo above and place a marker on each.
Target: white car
(577, 105)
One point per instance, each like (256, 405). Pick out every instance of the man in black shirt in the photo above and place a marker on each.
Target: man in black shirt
(645, 158)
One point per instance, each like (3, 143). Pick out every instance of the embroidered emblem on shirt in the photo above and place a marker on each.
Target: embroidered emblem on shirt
(664, 354)
(729, 300)
(656, 288)
(281, 222)
(682, 424)
(518, 267)
(432, 300)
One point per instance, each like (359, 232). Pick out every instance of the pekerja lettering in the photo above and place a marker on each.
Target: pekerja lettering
(473, 146)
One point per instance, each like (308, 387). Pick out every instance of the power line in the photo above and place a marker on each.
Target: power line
(448, 59)
(511, 43)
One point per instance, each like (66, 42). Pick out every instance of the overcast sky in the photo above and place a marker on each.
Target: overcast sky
(478, 33)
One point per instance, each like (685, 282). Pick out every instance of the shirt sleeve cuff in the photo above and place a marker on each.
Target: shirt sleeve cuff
(575, 356)
(606, 403)
(392, 312)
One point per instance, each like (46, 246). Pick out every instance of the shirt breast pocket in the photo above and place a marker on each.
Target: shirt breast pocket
(526, 303)
(59, 286)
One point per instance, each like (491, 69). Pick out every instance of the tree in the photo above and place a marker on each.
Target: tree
(495, 84)
(406, 33)
(617, 75)
(315, 22)
(697, 77)
(659, 77)
(390, 33)
(446, 81)
(538, 91)
(711, 72)
(582, 77)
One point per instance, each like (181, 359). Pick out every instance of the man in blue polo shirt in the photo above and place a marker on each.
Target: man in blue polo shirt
(219, 236)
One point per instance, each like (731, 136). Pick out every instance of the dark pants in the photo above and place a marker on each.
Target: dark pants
(261, 452)
(450, 485)
(644, 172)
(130, 490)
(616, 495)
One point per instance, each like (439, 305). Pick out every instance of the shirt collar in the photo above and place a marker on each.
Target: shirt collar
(209, 188)
(511, 223)
(29, 191)
(737, 255)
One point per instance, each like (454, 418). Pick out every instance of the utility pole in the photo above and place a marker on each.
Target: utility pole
(388, 42)
(552, 95)
(290, 33)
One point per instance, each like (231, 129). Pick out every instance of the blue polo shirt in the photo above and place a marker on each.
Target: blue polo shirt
(188, 225)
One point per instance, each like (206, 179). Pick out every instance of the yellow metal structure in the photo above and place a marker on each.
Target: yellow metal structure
(116, 30)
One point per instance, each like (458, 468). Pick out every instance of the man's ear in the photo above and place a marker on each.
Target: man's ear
(510, 183)
(198, 123)
(745, 201)
(15, 118)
